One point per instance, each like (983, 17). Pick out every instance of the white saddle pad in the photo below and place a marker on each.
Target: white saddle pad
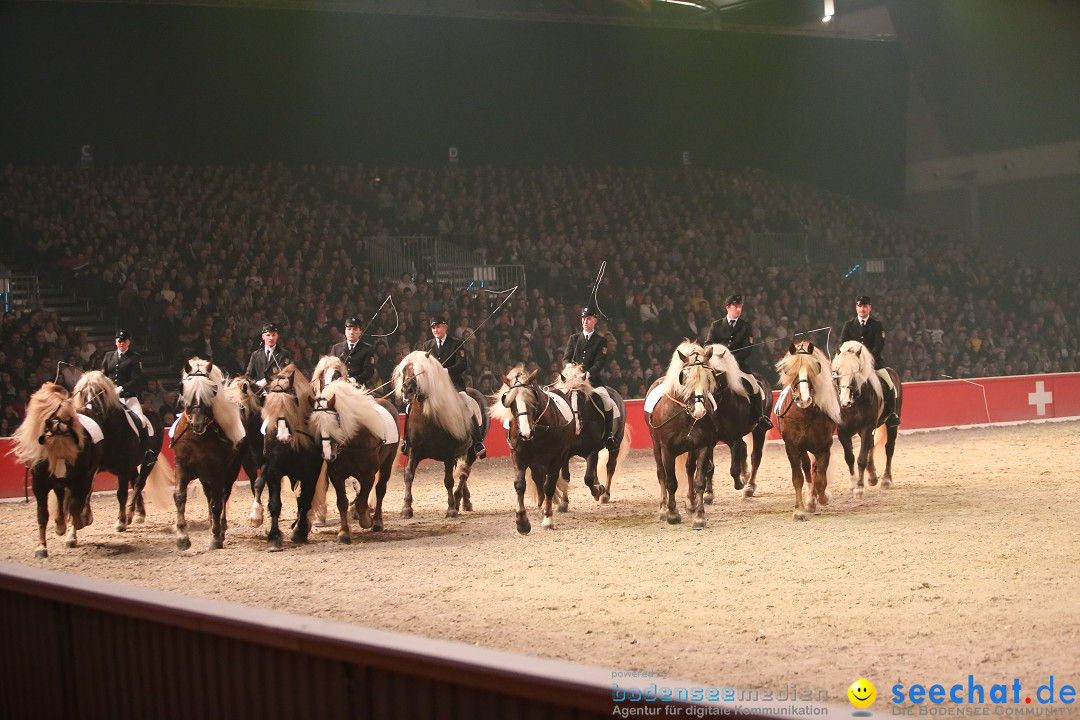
(558, 402)
(653, 397)
(390, 425)
(474, 408)
(172, 429)
(91, 426)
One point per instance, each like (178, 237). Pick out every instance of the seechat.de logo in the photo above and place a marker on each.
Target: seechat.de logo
(862, 695)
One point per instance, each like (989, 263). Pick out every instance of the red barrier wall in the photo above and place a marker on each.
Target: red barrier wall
(943, 403)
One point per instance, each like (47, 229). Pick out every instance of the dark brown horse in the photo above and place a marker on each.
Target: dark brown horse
(243, 393)
(807, 414)
(680, 423)
(207, 442)
(540, 432)
(440, 425)
(359, 441)
(95, 396)
(290, 449)
(56, 442)
(589, 432)
(862, 411)
(738, 411)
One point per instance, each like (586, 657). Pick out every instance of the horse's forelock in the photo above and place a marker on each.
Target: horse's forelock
(696, 379)
(723, 361)
(817, 368)
(441, 401)
(96, 386)
(48, 400)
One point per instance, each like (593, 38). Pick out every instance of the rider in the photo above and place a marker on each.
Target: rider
(451, 354)
(735, 333)
(588, 348)
(268, 359)
(124, 367)
(359, 357)
(871, 333)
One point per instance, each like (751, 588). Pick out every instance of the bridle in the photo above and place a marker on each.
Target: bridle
(55, 426)
(536, 424)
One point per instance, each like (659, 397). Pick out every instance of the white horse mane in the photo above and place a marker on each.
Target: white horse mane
(442, 404)
(699, 379)
(239, 392)
(294, 406)
(49, 398)
(723, 362)
(96, 384)
(327, 367)
(354, 407)
(572, 378)
(203, 383)
(502, 409)
(853, 359)
(817, 371)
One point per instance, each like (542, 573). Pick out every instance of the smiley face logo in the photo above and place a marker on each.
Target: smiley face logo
(862, 693)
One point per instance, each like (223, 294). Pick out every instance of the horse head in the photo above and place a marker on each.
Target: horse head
(853, 368)
(805, 368)
(520, 396)
(329, 369)
(695, 379)
(330, 444)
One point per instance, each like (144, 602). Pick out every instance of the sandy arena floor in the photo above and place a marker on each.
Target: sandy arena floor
(969, 564)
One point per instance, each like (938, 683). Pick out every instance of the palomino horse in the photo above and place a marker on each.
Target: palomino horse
(439, 425)
(56, 443)
(358, 440)
(95, 396)
(738, 410)
(290, 449)
(327, 370)
(589, 431)
(677, 410)
(807, 414)
(540, 432)
(207, 443)
(243, 393)
(861, 410)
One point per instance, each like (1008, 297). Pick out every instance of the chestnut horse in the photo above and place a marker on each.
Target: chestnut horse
(207, 442)
(678, 409)
(738, 410)
(58, 445)
(540, 433)
(358, 440)
(807, 414)
(589, 431)
(861, 413)
(440, 425)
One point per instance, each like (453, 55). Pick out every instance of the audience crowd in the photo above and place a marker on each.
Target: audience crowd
(192, 261)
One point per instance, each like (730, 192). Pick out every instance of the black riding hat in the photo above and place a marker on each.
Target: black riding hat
(353, 322)
(588, 312)
(438, 320)
(735, 299)
(863, 300)
(269, 327)
(123, 335)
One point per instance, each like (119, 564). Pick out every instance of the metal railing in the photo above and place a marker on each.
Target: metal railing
(18, 289)
(393, 256)
(490, 277)
(797, 249)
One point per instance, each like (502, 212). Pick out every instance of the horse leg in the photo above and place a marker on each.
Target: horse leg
(821, 477)
(866, 447)
(612, 463)
(258, 482)
(691, 473)
(709, 469)
(671, 486)
(61, 518)
(273, 504)
(522, 515)
(550, 476)
(564, 471)
(216, 506)
(795, 459)
(448, 482)
(70, 539)
(890, 446)
(123, 480)
(462, 468)
(410, 471)
(755, 460)
(361, 507)
(385, 470)
(738, 462)
(136, 506)
(308, 484)
(180, 498)
(41, 494)
(338, 482)
(661, 478)
(591, 475)
(698, 480)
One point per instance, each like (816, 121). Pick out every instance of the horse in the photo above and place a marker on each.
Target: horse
(290, 449)
(58, 445)
(357, 441)
(540, 432)
(589, 431)
(861, 413)
(207, 443)
(439, 425)
(676, 411)
(95, 395)
(807, 413)
(737, 415)
(327, 370)
(243, 393)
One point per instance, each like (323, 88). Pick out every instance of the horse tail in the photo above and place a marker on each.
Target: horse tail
(159, 484)
(532, 491)
(318, 502)
(627, 439)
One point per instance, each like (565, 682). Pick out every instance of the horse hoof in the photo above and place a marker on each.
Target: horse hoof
(872, 480)
(699, 524)
(857, 493)
(886, 482)
(273, 545)
(674, 519)
(748, 491)
(41, 554)
(216, 543)
(71, 543)
(451, 512)
(299, 538)
(344, 539)
(564, 507)
(605, 498)
(466, 505)
(597, 491)
(140, 518)
(256, 517)
(800, 515)
(707, 498)
(183, 542)
(548, 523)
(825, 498)
(524, 527)
(120, 527)
(406, 513)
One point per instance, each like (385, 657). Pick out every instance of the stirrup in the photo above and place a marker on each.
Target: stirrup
(610, 443)
(405, 448)
(765, 422)
(893, 420)
(480, 450)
